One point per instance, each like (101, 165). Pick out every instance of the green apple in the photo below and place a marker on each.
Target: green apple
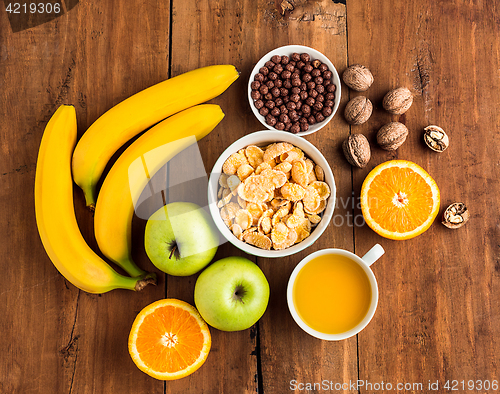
(231, 294)
(181, 238)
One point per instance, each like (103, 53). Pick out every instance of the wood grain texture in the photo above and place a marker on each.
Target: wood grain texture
(289, 355)
(438, 313)
(60, 339)
(213, 36)
(437, 308)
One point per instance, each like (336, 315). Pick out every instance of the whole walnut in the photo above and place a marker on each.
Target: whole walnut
(392, 135)
(357, 150)
(358, 110)
(398, 101)
(358, 77)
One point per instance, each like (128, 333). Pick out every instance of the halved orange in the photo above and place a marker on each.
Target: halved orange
(169, 340)
(399, 199)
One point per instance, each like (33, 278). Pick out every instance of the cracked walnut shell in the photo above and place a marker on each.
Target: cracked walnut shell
(455, 216)
(358, 110)
(436, 139)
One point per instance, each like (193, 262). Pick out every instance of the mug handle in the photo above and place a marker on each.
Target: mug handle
(373, 254)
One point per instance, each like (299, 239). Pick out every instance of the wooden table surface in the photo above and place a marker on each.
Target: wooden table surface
(438, 317)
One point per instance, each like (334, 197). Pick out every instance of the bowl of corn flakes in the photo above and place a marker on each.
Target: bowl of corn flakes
(271, 194)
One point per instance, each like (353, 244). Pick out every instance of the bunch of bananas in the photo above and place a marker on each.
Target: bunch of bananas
(176, 100)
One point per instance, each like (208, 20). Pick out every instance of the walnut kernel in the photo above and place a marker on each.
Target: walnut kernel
(456, 215)
(436, 138)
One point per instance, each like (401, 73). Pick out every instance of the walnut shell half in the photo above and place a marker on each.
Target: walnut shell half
(398, 101)
(436, 138)
(392, 135)
(455, 216)
(358, 110)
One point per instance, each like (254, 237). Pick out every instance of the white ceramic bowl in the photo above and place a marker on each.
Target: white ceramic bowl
(288, 50)
(263, 138)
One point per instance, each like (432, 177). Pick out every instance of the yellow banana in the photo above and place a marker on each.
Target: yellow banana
(129, 175)
(55, 215)
(137, 113)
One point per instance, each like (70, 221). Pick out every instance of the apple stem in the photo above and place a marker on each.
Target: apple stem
(172, 252)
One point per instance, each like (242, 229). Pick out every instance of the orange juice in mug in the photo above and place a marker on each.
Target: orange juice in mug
(333, 294)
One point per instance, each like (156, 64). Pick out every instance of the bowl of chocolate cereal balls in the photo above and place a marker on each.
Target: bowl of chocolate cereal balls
(294, 89)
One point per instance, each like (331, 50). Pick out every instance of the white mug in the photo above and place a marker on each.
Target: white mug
(365, 262)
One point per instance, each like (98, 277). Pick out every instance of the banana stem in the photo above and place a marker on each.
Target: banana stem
(149, 279)
(131, 268)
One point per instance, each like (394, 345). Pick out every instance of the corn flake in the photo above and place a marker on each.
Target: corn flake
(259, 240)
(236, 230)
(277, 149)
(223, 180)
(312, 177)
(299, 173)
(233, 163)
(255, 210)
(320, 174)
(321, 208)
(292, 155)
(314, 219)
(311, 200)
(264, 224)
(279, 233)
(243, 203)
(247, 231)
(262, 167)
(322, 189)
(292, 191)
(232, 182)
(244, 171)
(226, 198)
(303, 230)
(255, 155)
(229, 210)
(309, 166)
(290, 239)
(244, 219)
(279, 202)
(228, 222)
(284, 167)
(272, 179)
(280, 214)
(252, 191)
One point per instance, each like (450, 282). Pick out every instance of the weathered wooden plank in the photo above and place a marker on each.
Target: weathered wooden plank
(212, 36)
(290, 357)
(59, 339)
(437, 309)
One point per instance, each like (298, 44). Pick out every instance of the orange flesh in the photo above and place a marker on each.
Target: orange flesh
(399, 199)
(169, 340)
